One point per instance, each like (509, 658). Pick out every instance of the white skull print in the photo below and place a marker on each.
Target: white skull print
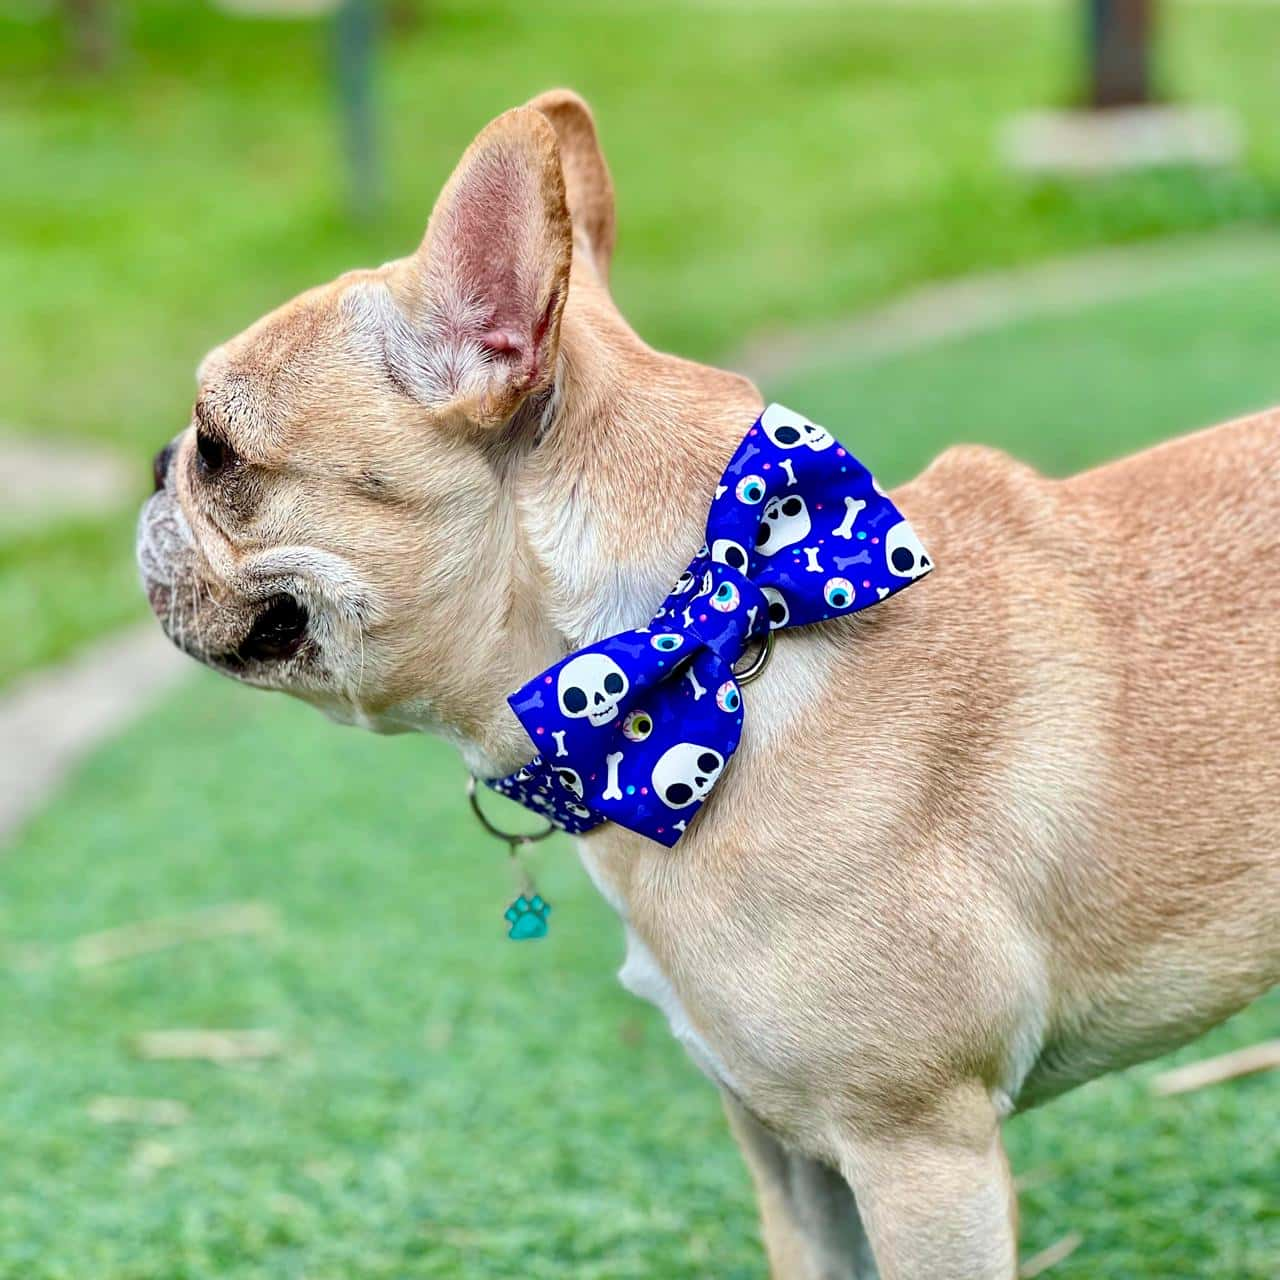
(789, 430)
(571, 780)
(591, 685)
(783, 523)
(903, 554)
(685, 773)
(734, 554)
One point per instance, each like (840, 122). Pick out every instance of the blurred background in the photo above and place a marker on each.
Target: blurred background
(259, 1015)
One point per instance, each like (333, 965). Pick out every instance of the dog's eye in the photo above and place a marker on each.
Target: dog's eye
(215, 455)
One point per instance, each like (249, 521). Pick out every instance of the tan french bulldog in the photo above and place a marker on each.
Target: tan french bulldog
(1012, 829)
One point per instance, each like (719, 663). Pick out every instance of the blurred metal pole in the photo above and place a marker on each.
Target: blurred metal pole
(1120, 52)
(90, 34)
(355, 33)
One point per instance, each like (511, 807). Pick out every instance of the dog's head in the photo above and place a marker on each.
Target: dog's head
(331, 523)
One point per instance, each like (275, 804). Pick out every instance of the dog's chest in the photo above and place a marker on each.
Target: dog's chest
(643, 977)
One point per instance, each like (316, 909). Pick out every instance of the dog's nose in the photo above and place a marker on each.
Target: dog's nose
(160, 466)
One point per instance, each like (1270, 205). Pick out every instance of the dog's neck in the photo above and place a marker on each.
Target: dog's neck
(609, 504)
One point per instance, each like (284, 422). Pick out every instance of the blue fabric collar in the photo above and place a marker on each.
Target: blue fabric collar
(638, 728)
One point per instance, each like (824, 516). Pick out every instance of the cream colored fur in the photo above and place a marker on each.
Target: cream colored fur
(1012, 829)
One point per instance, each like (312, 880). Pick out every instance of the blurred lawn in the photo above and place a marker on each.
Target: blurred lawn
(454, 1105)
(775, 164)
(1065, 390)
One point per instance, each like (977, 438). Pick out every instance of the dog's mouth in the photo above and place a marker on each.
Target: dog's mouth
(277, 634)
(237, 635)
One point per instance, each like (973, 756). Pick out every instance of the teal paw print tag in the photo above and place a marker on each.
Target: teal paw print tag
(527, 918)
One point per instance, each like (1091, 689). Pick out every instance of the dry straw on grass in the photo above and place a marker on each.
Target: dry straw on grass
(1228, 1066)
(1039, 1263)
(157, 1111)
(210, 1046)
(146, 936)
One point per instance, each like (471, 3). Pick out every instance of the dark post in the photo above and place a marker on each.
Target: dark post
(354, 35)
(89, 29)
(1120, 52)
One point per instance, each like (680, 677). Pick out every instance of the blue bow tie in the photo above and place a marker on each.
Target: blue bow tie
(638, 728)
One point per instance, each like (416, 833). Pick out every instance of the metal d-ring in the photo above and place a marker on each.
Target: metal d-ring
(514, 839)
(758, 664)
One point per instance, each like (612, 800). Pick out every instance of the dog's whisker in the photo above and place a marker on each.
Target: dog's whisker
(197, 632)
(360, 673)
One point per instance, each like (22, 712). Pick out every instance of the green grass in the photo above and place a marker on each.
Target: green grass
(455, 1105)
(774, 165)
(452, 1104)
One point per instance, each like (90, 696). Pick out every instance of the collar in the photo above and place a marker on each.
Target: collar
(638, 728)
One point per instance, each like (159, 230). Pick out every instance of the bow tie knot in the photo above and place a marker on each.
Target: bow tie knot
(638, 727)
(716, 606)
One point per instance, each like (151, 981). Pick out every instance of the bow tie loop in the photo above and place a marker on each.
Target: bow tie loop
(639, 727)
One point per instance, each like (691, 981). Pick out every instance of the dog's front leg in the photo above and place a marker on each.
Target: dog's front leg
(935, 1195)
(807, 1211)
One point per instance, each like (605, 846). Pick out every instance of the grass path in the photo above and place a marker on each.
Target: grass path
(42, 481)
(51, 720)
(937, 314)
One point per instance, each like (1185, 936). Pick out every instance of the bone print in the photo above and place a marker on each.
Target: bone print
(635, 648)
(853, 507)
(843, 562)
(612, 791)
(812, 563)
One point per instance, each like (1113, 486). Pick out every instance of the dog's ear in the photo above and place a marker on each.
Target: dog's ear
(586, 176)
(485, 291)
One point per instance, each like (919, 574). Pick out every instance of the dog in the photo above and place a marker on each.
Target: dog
(1007, 831)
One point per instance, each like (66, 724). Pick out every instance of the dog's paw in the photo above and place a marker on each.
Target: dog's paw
(527, 917)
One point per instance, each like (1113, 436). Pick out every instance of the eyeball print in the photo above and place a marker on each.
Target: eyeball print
(750, 490)
(728, 697)
(726, 598)
(666, 642)
(637, 726)
(838, 593)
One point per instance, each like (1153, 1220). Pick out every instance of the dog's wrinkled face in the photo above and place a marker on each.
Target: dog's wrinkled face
(330, 521)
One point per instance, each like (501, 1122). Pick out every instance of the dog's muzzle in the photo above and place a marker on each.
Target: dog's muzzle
(206, 619)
